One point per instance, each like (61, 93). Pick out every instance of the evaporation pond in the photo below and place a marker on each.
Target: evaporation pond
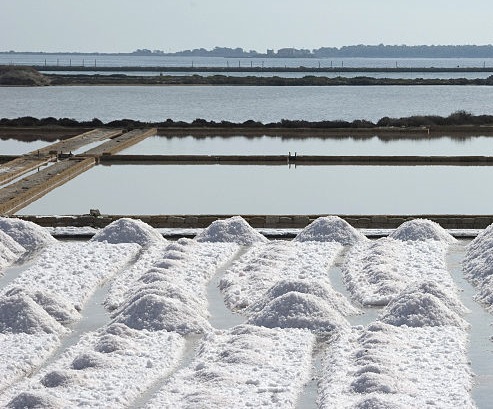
(270, 145)
(225, 189)
(16, 147)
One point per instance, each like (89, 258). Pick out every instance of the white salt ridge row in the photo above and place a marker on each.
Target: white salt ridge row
(375, 272)
(264, 265)
(171, 295)
(478, 266)
(391, 367)
(108, 368)
(246, 366)
(422, 229)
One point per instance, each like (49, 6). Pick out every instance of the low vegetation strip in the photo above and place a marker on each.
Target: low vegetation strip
(463, 119)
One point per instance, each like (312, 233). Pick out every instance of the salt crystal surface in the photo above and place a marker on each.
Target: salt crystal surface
(8, 242)
(127, 230)
(232, 230)
(29, 235)
(263, 265)
(243, 367)
(74, 270)
(375, 272)
(108, 368)
(330, 228)
(397, 367)
(21, 353)
(422, 229)
(299, 310)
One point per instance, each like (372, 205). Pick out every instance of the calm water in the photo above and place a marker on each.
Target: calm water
(14, 147)
(268, 145)
(219, 189)
(240, 103)
(115, 60)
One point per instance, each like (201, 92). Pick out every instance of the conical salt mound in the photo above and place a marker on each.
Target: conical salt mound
(298, 310)
(478, 262)
(314, 287)
(127, 230)
(154, 313)
(232, 230)
(420, 310)
(330, 228)
(29, 235)
(422, 229)
(20, 314)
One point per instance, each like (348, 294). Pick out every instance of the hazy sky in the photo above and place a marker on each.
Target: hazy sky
(173, 25)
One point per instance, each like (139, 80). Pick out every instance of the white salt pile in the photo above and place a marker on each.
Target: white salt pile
(243, 367)
(418, 309)
(330, 228)
(232, 230)
(20, 314)
(105, 369)
(29, 235)
(422, 229)
(316, 287)
(385, 366)
(127, 230)
(155, 312)
(375, 272)
(299, 310)
(263, 265)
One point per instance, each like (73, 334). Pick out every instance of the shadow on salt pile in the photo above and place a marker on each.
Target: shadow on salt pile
(58, 307)
(232, 230)
(417, 309)
(317, 288)
(422, 229)
(30, 236)
(19, 313)
(127, 230)
(10, 250)
(378, 403)
(38, 400)
(299, 310)
(330, 228)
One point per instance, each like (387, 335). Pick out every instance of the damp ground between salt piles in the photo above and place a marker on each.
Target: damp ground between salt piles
(480, 345)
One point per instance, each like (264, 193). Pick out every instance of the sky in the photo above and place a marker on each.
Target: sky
(174, 25)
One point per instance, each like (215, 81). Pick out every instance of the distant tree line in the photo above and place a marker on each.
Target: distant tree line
(351, 51)
(458, 118)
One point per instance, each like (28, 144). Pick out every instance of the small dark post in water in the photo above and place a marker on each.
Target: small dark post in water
(238, 63)
(396, 64)
(227, 64)
(94, 62)
(331, 64)
(82, 62)
(319, 64)
(45, 62)
(57, 62)
(192, 63)
(342, 64)
(251, 64)
(70, 62)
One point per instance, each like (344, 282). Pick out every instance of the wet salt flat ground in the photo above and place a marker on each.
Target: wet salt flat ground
(329, 319)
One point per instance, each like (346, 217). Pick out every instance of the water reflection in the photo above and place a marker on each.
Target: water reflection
(280, 145)
(220, 189)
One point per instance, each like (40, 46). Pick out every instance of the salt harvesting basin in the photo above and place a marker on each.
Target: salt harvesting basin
(232, 319)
